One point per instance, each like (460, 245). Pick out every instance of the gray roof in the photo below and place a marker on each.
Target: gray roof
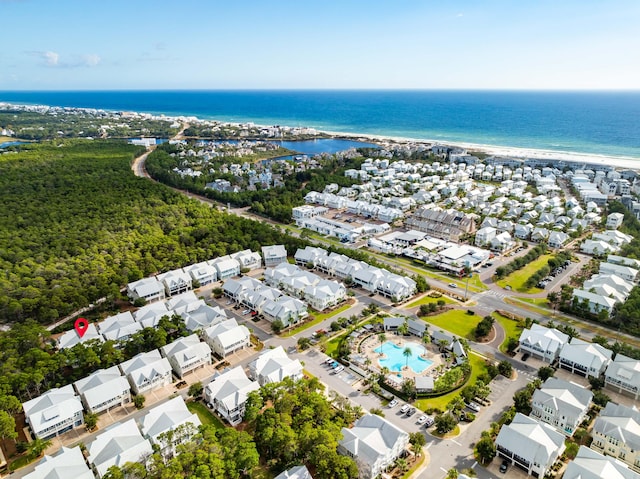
(590, 464)
(567, 398)
(619, 422)
(296, 472)
(67, 463)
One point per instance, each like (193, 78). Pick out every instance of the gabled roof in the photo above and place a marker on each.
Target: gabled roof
(67, 463)
(102, 385)
(52, 406)
(567, 399)
(274, 365)
(231, 388)
(227, 332)
(150, 314)
(591, 355)
(619, 422)
(371, 438)
(167, 417)
(181, 301)
(117, 445)
(71, 338)
(624, 369)
(297, 472)
(594, 298)
(146, 286)
(545, 338)
(203, 316)
(589, 464)
(531, 440)
(184, 350)
(119, 326)
(146, 366)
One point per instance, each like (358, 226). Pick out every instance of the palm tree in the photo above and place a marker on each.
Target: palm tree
(382, 338)
(37, 447)
(407, 353)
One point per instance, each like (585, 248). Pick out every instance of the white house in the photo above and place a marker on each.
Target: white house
(561, 404)
(149, 289)
(597, 247)
(584, 358)
(589, 464)
(530, 445)
(56, 411)
(227, 337)
(147, 371)
(187, 354)
(324, 295)
(557, 239)
(118, 444)
(248, 259)
(226, 267)
(485, 235)
(615, 259)
(104, 389)
(169, 425)
(542, 342)
(201, 316)
(595, 302)
(70, 338)
(396, 287)
(227, 394)
(614, 221)
(175, 282)
(625, 272)
(149, 316)
(616, 433)
(623, 375)
(203, 273)
(374, 443)
(119, 327)
(296, 472)
(274, 255)
(286, 309)
(273, 365)
(67, 463)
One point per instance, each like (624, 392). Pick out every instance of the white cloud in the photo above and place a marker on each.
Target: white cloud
(91, 60)
(50, 58)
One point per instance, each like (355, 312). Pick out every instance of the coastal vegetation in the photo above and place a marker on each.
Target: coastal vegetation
(77, 225)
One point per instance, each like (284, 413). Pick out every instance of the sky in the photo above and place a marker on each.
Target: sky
(328, 44)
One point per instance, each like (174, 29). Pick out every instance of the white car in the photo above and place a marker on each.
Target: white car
(393, 403)
(338, 370)
(453, 285)
(246, 311)
(422, 419)
(474, 406)
(404, 408)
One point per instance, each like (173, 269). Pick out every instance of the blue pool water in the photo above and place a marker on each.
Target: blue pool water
(395, 360)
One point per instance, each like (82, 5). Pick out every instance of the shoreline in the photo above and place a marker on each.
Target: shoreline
(521, 153)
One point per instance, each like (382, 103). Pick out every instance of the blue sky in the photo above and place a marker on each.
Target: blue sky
(489, 44)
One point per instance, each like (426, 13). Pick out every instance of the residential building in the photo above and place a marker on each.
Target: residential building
(485, 235)
(71, 338)
(226, 337)
(175, 282)
(169, 425)
(147, 371)
(203, 273)
(542, 342)
(273, 366)
(149, 289)
(226, 267)
(557, 239)
(227, 394)
(625, 272)
(309, 255)
(149, 316)
(614, 221)
(561, 404)
(616, 433)
(623, 375)
(116, 445)
(187, 354)
(119, 327)
(589, 464)
(285, 309)
(374, 443)
(67, 463)
(54, 412)
(584, 358)
(201, 316)
(296, 472)
(595, 303)
(325, 294)
(249, 260)
(274, 255)
(104, 389)
(450, 225)
(530, 445)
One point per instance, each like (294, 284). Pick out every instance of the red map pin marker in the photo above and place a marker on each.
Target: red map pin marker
(81, 326)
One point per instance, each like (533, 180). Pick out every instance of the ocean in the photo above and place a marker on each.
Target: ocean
(596, 123)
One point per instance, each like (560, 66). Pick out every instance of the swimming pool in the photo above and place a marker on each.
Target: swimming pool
(395, 360)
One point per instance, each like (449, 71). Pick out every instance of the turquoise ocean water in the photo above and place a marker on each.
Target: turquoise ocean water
(602, 123)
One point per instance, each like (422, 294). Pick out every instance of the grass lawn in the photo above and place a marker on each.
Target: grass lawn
(318, 318)
(512, 329)
(205, 416)
(477, 368)
(518, 278)
(429, 299)
(475, 285)
(535, 301)
(21, 462)
(456, 321)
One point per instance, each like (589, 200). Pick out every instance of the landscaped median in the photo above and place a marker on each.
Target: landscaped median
(456, 321)
(518, 278)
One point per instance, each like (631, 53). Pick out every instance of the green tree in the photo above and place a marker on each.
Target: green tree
(7, 426)
(407, 353)
(486, 450)
(90, 421)
(545, 372)
(277, 326)
(505, 368)
(445, 423)
(304, 343)
(37, 447)
(195, 389)
(138, 401)
(452, 474)
(417, 441)
(377, 411)
(382, 338)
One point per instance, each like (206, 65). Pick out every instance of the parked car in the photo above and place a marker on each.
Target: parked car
(411, 412)
(453, 285)
(525, 356)
(423, 419)
(404, 408)
(338, 370)
(246, 311)
(329, 360)
(504, 466)
(430, 421)
(393, 403)
(475, 407)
